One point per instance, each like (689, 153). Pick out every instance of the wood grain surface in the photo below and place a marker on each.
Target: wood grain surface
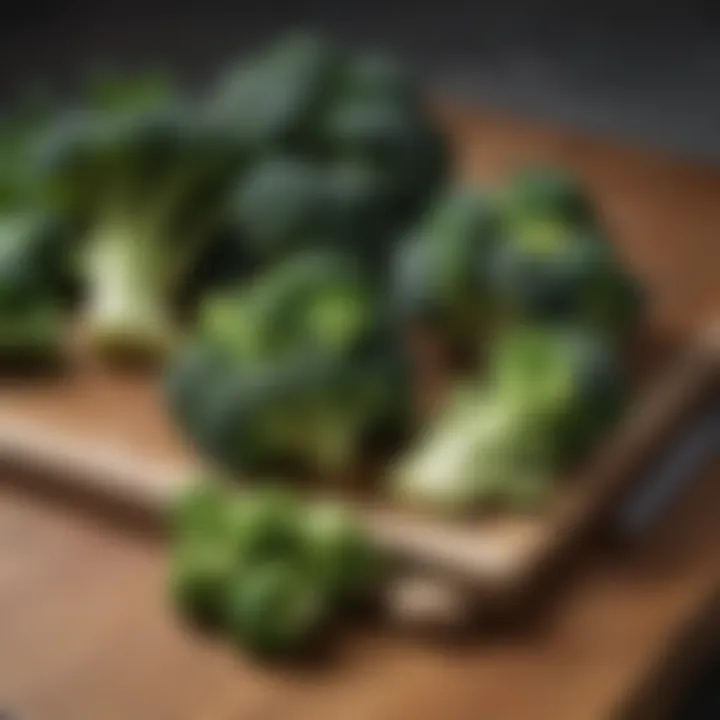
(86, 635)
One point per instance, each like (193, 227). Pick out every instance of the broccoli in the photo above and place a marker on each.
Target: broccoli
(146, 183)
(348, 564)
(341, 150)
(263, 568)
(549, 392)
(297, 366)
(271, 100)
(200, 574)
(274, 609)
(556, 263)
(285, 204)
(34, 289)
(438, 272)
(544, 200)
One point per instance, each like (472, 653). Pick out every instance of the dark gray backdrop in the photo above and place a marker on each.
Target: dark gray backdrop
(629, 68)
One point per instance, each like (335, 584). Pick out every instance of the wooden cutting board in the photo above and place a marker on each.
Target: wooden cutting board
(103, 436)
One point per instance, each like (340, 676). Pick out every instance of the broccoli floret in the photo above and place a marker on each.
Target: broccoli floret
(295, 367)
(543, 201)
(274, 609)
(398, 141)
(556, 263)
(147, 186)
(342, 152)
(439, 271)
(506, 441)
(285, 205)
(271, 100)
(345, 560)
(266, 569)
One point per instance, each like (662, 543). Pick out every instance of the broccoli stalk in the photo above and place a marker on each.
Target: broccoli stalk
(549, 393)
(125, 303)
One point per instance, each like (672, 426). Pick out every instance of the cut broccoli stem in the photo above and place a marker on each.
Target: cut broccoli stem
(127, 305)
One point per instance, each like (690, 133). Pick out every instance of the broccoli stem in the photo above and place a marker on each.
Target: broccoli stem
(127, 309)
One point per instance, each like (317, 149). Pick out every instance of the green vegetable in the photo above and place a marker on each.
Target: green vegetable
(342, 153)
(297, 368)
(33, 289)
(265, 526)
(147, 181)
(505, 442)
(199, 578)
(439, 273)
(556, 263)
(271, 100)
(544, 200)
(274, 609)
(263, 568)
(348, 565)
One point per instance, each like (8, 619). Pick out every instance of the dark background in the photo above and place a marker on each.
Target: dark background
(629, 68)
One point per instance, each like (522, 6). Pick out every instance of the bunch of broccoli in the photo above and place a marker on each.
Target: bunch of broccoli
(269, 572)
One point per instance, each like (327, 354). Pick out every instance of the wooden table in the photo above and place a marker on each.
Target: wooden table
(85, 635)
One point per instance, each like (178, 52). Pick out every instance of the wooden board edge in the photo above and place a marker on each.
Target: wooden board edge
(106, 478)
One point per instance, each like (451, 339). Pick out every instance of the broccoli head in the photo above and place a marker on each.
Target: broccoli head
(341, 150)
(296, 367)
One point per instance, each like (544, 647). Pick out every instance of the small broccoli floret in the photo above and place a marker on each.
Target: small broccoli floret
(505, 442)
